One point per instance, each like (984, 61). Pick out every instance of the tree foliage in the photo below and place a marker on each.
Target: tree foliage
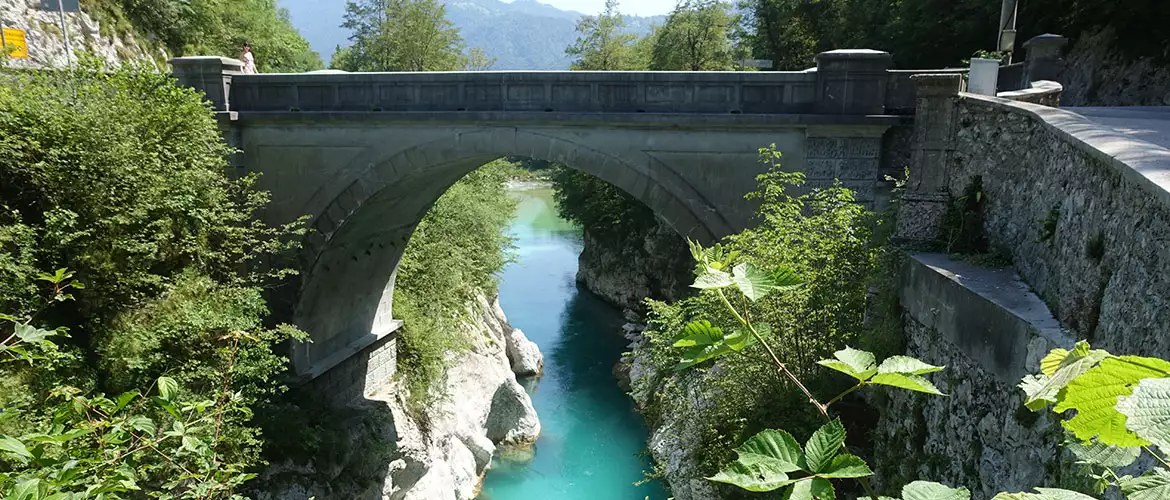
(452, 258)
(598, 206)
(403, 35)
(828, 241)
(696, 37)
(603, 43)
(215, 27)
(121, 178)
(937, 33)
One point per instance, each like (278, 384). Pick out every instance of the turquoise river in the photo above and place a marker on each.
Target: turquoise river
(592, 441)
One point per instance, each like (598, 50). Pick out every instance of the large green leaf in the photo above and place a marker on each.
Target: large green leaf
(926, 490)
(699, 354)
(1153, 485)
(1094, 395)
(774, 445)
(1052, 361)
(32, 334)
(907, 365)
(712, 279)
(846, 466)
(752, 281)
(1147, 411)
(1098, 453)
(14, 447)
(1042, 390)
(741, 338)
(698, 333)
(168, 388)
(860, 365)
(786, 279)
(759, 476)
(26, 489)
(811, 488)
(906, 381)
(822, 446)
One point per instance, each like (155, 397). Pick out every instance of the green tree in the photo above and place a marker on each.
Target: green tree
(217, 27)
(696, 37)
(400, 35)
(478, 60)
(603, 45)
(121, 177)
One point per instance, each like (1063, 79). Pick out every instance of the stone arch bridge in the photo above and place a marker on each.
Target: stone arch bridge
(366, 155)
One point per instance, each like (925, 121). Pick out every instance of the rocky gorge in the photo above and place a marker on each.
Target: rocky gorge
(442, 452)
(624, 270)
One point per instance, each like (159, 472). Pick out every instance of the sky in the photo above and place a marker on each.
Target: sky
(635, 7)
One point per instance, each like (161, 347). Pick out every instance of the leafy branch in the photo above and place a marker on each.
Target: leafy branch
(1121, 403)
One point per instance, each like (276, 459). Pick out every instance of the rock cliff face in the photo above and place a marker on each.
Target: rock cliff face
(443, 453)
(1097, 73)
(626, 269)
(46, 40)
(674, 441)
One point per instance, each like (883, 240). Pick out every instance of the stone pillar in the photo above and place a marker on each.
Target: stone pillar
(1043, 60)
(212, 75)
(852, 81)
(926, 196)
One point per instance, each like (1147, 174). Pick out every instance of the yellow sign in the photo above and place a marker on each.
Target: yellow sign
(15, 44)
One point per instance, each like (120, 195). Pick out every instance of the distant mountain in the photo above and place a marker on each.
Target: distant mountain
(524, 34)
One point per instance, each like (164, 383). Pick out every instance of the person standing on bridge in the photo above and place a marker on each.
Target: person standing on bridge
(249, 60)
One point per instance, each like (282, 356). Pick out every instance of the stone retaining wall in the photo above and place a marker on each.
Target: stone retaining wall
(1084, 213)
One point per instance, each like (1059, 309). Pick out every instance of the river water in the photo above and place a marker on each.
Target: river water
(592, 441)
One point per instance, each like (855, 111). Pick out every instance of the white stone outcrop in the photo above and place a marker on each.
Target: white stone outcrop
(444, 453)
(46, 40)
(526, 358)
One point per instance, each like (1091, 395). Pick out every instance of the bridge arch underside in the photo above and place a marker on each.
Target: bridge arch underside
(368, 187)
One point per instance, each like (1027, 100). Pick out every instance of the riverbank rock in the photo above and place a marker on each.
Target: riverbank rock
(440, 453)
(527, 361)
(625, 269)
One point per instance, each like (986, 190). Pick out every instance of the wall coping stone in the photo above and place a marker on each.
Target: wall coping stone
(1143, 163)
(990, 315)
(1038, 88)
(659, 120)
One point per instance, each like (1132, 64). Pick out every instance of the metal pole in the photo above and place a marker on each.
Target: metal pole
(65, 31)
(1007, 23)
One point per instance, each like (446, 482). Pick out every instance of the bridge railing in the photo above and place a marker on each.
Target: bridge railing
(850, 82)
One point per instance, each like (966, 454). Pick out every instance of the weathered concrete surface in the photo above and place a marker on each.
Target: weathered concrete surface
(989, 330)
(988, 314)
(368, 185)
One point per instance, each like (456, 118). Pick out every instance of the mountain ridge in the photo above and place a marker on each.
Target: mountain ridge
(522, 35)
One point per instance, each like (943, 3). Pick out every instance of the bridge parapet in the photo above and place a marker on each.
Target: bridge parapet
(845, 82)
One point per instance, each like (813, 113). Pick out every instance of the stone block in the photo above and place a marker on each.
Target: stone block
(824, 147)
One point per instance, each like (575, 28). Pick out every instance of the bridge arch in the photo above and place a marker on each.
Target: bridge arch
(350, 261)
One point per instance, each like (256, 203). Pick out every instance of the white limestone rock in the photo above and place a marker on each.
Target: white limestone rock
(526, 358)
(46, 41)
(444, 453)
